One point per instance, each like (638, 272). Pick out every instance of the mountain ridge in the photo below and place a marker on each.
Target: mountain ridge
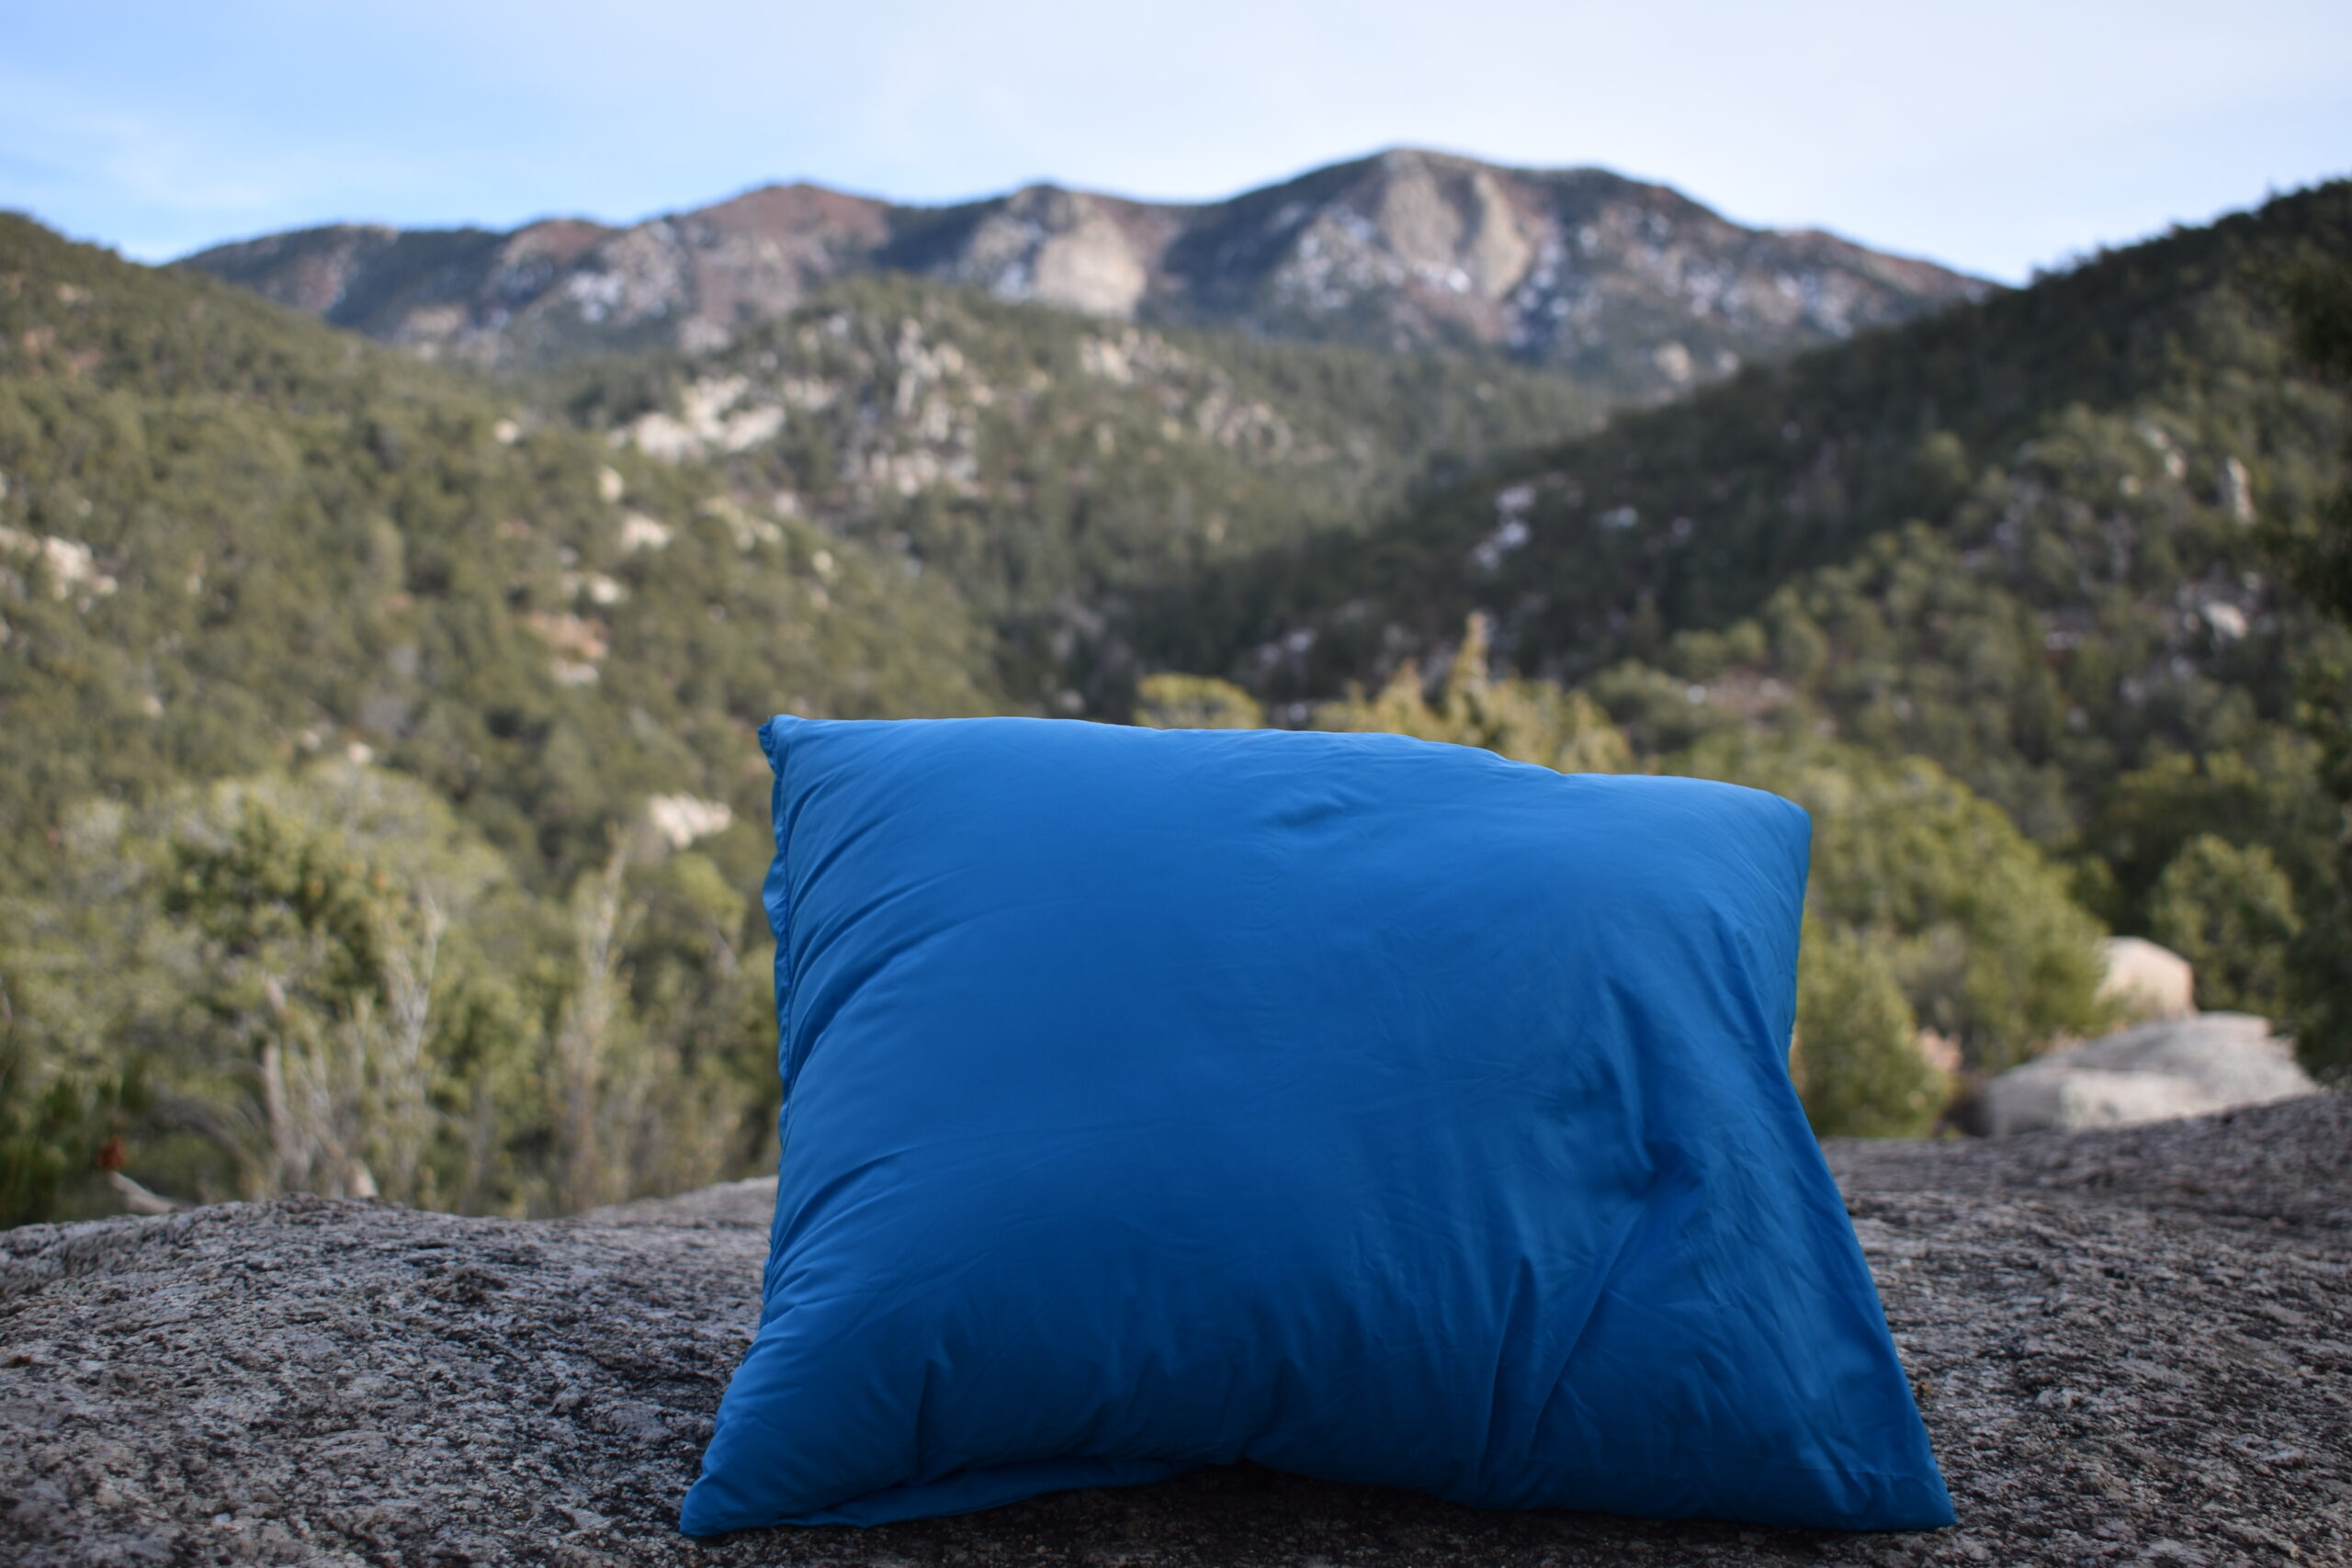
(2034, 541)
(1632, 287)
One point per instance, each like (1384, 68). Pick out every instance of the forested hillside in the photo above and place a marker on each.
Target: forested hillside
(2026, 537)
(2034, 541)
(381, 810)
(381, 807)
(1048, 465)
(236, 538)
(380, 789)
(2094, 455)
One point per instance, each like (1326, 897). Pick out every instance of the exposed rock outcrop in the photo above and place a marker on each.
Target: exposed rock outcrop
(2145, 981)
(2130, 1347)
(1634, 286)
(2156, 1072)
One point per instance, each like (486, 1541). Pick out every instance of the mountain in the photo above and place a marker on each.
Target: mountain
(231, 534)
(381, 810)
(230, 537)
(2032, 538)
(1049, 465)
(341, 688)
(1635, 289)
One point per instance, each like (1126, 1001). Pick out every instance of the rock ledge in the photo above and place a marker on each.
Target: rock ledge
(2131, 1346)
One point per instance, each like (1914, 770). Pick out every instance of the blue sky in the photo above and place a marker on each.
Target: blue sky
(1997, 136)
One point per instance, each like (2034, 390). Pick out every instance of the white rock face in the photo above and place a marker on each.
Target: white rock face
(2147, 981)
(1090, 268)
(72, 565)
(2237, 491)
(639, 531)
(682, 818)
(2154, 1072)
(707, 420)
(1058, 248)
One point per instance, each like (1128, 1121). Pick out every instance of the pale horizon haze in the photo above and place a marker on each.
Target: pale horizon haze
(1997, 138)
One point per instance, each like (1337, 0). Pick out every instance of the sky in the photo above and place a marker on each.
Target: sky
(1999, 137)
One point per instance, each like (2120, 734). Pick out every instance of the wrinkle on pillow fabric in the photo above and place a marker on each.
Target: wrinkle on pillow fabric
(1362, 1106)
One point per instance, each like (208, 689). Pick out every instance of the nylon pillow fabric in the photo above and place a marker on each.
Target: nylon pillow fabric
(1366, 1108)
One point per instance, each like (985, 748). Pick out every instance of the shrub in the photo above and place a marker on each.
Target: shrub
(1856, 1058)
(2231, 912)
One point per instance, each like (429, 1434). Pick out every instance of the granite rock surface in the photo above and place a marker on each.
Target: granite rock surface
(2131, 1346)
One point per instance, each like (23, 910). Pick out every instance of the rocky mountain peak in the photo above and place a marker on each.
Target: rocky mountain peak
(1448, 221)
(1633, 285)
(1073, 250)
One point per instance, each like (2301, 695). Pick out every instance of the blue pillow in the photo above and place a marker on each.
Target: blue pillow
(1375, 1110)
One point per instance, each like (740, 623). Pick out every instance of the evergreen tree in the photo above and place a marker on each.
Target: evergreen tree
(2316, 548)
(2231, 912)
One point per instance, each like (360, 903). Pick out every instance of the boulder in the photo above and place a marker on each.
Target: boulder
(2152, 1072)
(2146, 981)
